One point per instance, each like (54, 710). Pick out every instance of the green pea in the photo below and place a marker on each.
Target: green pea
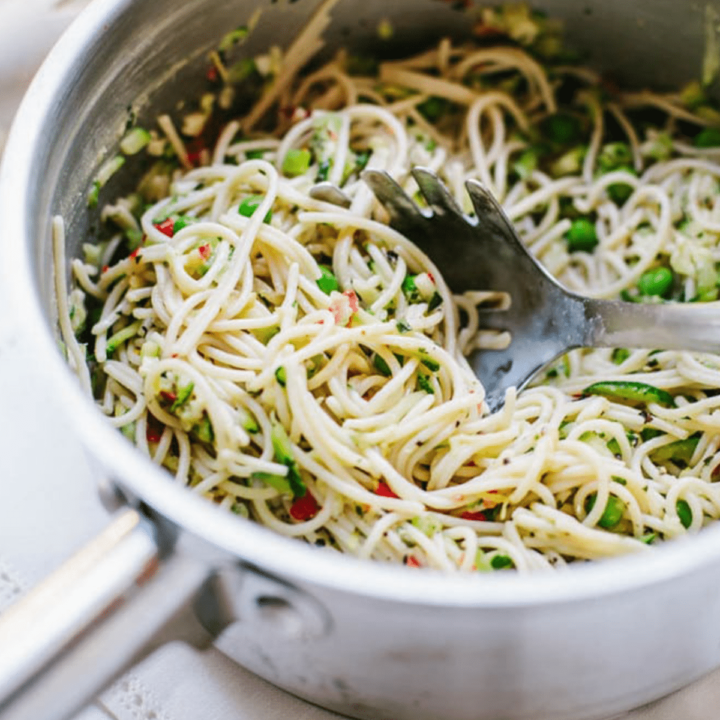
(620, 192)
(657, 281)
(581, 237)
(296, 162)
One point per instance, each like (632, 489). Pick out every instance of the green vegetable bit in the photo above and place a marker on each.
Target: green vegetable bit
(424, 383)
(410, 289)
(250, 204)
(435, 302)
(183, 396)
(633, 391)
(620, 355)
(613, 156)
(381, 366)
(657, 281)
(679, 451)
(281, 376)
(619, 192)
(284, 454)
(561, 128)
(684, 513)
(707, 138)
(501, 562)
(612, 514)
(581, 237)
(203, 431)
(278, 482)
(327, 281)
(296, 162)
(433, 108)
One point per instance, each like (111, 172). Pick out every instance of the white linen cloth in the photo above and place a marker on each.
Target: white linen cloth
(49, 505)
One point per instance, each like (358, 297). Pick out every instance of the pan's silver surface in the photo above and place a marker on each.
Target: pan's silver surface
(364, 639)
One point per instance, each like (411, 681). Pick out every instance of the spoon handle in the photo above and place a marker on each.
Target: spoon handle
(671, 326)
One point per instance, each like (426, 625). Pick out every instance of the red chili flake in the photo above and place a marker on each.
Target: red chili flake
(411, 561)
(105, 268)
(134, 254)
(205, 251)
(432, 278)
(153, 430)
(166, 227)
(195, 150)
(467, 515)
(288, 110)
(384, 490)
(304, 508)
(169, 396)
(212, 74)
(352, 297)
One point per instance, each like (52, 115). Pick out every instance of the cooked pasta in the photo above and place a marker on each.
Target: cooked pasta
(302, 364)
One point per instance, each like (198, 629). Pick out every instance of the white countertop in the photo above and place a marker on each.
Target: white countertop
(50, 506)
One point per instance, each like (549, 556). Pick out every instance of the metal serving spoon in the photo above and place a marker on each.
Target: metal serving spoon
(544, 319)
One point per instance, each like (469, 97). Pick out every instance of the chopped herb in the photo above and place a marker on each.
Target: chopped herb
(284, 454)
(435, 302)
(183, 396)
(203, 431)
(501, 562)
(327, 281)
(433, 108)
(403, 326)
(381, 366)
(679, 451)
(424, 383)
(281, 376)
(708, 137)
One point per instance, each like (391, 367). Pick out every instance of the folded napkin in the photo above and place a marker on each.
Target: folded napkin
(50, 506)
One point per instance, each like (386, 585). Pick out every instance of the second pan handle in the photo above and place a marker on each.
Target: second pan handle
(102, 611)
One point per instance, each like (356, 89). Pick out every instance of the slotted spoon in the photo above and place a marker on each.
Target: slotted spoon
(544, 319)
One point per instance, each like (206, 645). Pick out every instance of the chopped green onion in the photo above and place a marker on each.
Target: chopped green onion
(679, 451)
(255, 154)
(232, 38)
(281, 376)
(296, 162)
(612, 514)
(180, 223)
(403, 326)
(381, 366)
(250, 204)
(284, 454)
(633, 391)
(657, 281)
(435, 301)
(248, 422)
(684, 513)
(426, 524)
(613, 156)
(648, 433)
(614, 447)
(425, 384)
(278, 482)
(327, 281)
(93, 195)
(410, 289)
(121, 336)
(527, 163)
(648, 538)
(203, 431)
(620, 355)
(134, 141)
(429, 362)
(581, 237)
(183, 396)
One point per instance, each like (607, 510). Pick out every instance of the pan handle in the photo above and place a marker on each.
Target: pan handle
(107, 607)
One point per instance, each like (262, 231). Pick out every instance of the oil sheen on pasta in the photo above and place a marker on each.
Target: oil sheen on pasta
(303, 365)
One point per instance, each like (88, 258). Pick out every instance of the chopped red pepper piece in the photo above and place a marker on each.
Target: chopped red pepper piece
(432, 278)
(383, 489)
(304, 508)
(411, 561)
(212, 74)
(467, 515)
(134, 253)
(169, 396)
(166, 227)
(194, 151)
(205, 251)
(153, 430)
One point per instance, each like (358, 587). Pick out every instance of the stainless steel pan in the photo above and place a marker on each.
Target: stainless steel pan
(364, 639)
